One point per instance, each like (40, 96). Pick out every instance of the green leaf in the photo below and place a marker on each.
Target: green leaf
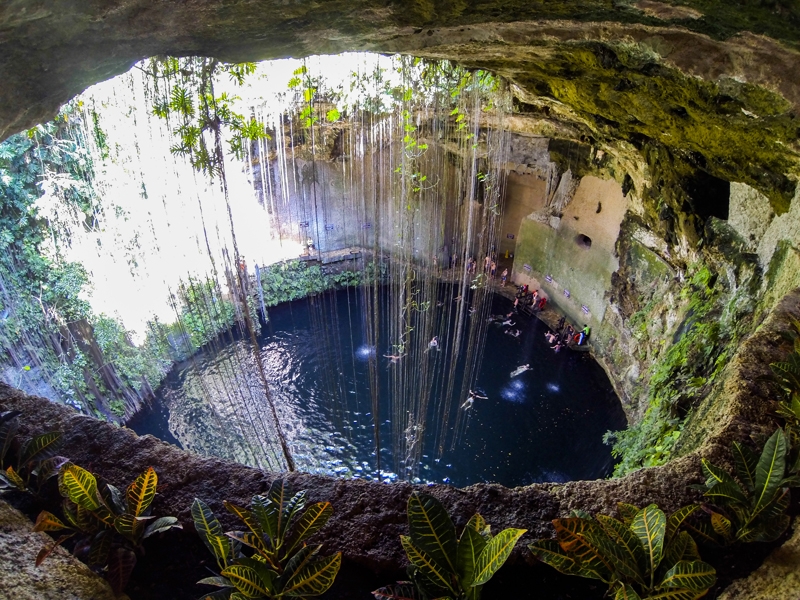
(313, 519)
(252, 523)
(650, 525)
(696, 575)
(40, 447)
(495, 554)
(210, 531)
(141, 492)
(160, 525)
(715, 474)
(677, 518)
(245, 580)
(130, 527)
(625, 550)
(432, 530)
(727, 492)
(314, 578)
(426, 564)
(402, 590)
(216, 581)
(626, 592)
(764, 530)
(333, 115)
(470, 547)
(100, 549)
(770, 470)
(675, 594)
(627, 512)
(80, 485)
(268, 515)
(746, 463)
(551, 553)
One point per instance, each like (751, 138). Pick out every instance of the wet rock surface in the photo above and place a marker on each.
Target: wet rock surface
(368, 516)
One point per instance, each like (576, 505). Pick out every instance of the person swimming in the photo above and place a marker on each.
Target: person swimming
(513, 332)
(471, 397)
(521, 369)
(394, 358)
(550, 337)
(508, 322)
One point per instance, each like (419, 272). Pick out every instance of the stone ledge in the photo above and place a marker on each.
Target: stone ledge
(60, 577)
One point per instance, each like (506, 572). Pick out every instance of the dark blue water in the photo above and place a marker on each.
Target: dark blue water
(544, 425)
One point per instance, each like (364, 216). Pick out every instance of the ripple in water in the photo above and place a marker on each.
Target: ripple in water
(543, 424)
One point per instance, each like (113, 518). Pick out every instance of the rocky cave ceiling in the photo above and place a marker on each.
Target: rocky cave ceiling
(712, 85)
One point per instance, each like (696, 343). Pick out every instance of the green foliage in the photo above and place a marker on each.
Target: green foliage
(645, 555)
(751, 505)
(35, 460)
(280, 563)
(787, 376)
(442, 565)
(112, 524)
(186, 95)
(679, 376)
(295, 279)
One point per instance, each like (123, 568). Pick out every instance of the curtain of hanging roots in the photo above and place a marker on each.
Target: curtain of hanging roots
(413, 179)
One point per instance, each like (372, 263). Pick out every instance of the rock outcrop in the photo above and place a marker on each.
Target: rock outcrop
(60, 577)
(369, 517)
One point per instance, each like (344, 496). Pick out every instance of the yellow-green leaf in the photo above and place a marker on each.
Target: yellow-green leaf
(696, 575)
(432, 530)
(313, 519)
(425, 563)
(470, 546)
(141, 492)
(495, 554)
(210, 531)
(626, 592)
(129, 526)
(721, 525)
(40, 447)
(47, 521)
(246, 580)
(81, 486)
(551, 553)
(314, 578)
(650, 526)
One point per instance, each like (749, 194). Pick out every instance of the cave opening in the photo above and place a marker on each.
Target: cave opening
(367, 193)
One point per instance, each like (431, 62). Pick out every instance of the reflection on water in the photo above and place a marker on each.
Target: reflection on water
(543, 424)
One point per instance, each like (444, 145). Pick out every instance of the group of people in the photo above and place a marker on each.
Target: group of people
(533, 301)
(566, 335)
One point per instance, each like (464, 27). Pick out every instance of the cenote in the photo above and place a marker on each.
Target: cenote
(545, 424)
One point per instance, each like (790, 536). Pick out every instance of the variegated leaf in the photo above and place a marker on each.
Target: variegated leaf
(141, 492)
(650, 526)
(495, 554)
(432, 530)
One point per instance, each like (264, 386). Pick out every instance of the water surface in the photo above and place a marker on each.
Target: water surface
(545, 424)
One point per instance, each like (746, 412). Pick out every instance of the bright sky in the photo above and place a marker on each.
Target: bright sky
(151, 233)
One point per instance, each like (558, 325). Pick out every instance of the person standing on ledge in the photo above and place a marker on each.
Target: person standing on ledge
(585, 332)
(504, 276)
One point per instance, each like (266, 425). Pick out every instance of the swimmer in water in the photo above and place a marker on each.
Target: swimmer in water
(513, 332)
(520, 369)
(471, 399)
(394, 358)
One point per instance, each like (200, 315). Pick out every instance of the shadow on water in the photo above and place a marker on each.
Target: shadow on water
(544, 424)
